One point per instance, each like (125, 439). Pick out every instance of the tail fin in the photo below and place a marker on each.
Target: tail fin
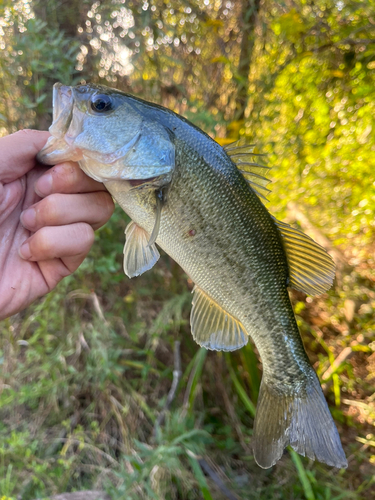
(302, 420)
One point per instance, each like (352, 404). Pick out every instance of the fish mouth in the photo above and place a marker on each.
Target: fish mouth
(57, 149)
(62, 102)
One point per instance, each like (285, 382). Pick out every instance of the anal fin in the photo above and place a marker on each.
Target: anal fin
(139, 254)
(214, 328)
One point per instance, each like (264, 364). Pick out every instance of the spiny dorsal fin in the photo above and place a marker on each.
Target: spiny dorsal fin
(311, 268)
(254, 173)
(139, 255)
(212, 327)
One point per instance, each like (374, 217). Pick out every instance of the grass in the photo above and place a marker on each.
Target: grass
(86, 372)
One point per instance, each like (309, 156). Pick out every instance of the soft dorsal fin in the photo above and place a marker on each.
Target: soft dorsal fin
(311, 268)
(254, 173)
(212, 327)
(139, 255)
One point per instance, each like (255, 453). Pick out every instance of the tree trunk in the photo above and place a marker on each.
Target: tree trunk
(65, 15)
(248, 21)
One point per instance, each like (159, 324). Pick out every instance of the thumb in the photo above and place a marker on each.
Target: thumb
(18, 152)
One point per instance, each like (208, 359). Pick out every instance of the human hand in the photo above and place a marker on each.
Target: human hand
(42, 245)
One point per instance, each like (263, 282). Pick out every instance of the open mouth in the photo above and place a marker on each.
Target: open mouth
(62, 109)
(57, 148)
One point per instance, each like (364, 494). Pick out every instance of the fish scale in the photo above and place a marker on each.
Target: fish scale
(175, 182)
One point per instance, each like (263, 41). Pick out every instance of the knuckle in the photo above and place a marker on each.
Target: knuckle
(102, 209)
(85, 235)
(69, 170)
(65, 175)
(26, 132)
(41, 244)
(100, 206)
(107, 204)
(47, 210)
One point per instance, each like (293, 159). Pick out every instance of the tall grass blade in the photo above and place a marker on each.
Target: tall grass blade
(306, 485)
(195, 377)
(199, 476)
(240, 390)
(250, 364)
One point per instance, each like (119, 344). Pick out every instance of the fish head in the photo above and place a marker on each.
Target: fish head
(111, 135)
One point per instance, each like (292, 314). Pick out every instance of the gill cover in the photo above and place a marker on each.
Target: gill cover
(148, 153)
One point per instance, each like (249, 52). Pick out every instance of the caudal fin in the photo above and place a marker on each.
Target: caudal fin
(302, 420)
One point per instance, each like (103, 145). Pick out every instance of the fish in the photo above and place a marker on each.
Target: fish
(204, 206)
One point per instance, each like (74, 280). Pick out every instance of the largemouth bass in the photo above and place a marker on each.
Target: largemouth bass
(201, 204)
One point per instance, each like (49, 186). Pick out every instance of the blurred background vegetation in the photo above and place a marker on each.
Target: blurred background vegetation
(86, 372)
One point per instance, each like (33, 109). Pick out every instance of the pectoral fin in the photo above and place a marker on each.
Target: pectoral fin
(158, 207)
(212, 327)
(311, 268)
(139, 255)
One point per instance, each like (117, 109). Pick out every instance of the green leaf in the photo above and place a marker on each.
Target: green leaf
(199, 476)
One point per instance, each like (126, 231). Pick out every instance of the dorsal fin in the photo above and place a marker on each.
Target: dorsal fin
(213, 327)
(243, 156)
(311, 268)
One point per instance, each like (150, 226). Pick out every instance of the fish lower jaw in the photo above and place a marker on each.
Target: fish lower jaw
(56, 151)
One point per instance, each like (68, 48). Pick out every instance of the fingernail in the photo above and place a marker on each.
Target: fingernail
(43, 186)
(28, 218)
(24, 251)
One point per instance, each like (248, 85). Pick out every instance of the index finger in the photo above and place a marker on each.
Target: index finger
(18, 152)
(66, 178)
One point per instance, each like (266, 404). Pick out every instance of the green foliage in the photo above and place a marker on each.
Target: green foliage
(161, 471)
(316, 110)
(85, 372)
(34, 56)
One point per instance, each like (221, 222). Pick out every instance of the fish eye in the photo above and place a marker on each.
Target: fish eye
(101, 103)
